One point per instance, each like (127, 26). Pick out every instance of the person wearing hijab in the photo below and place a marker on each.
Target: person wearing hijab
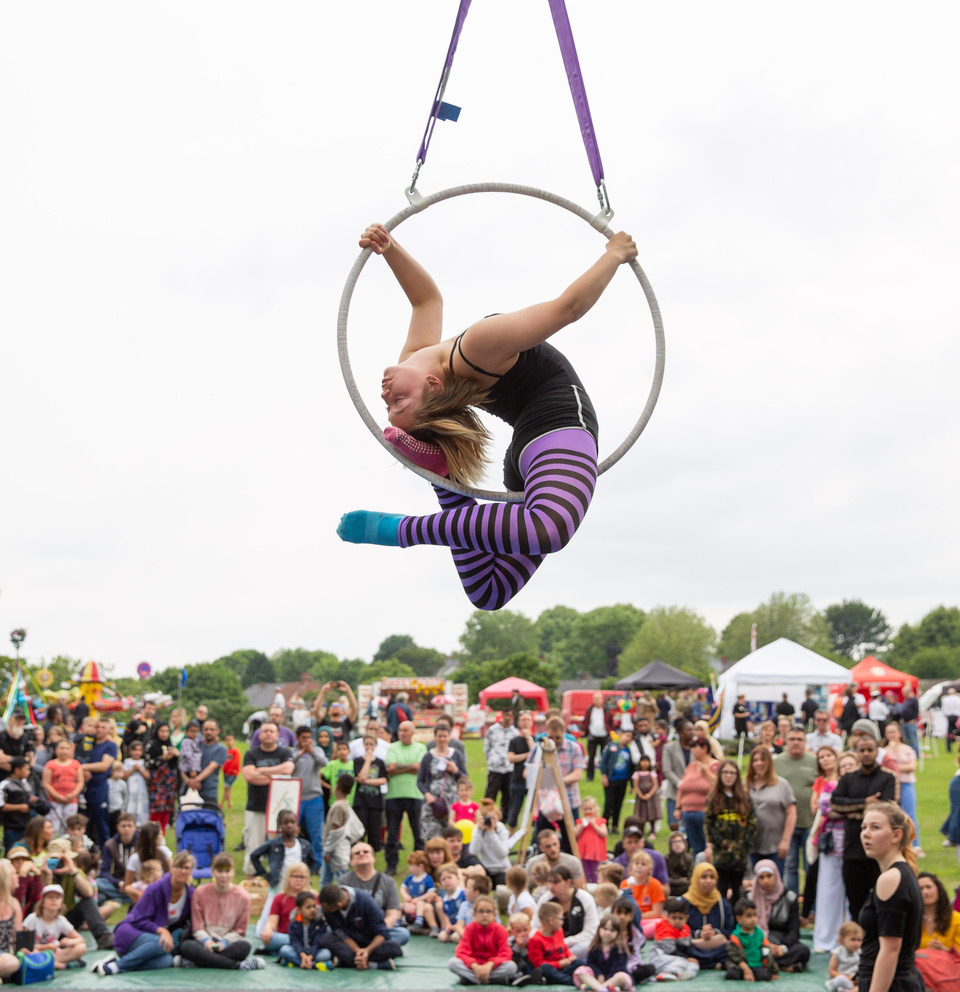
(325, 742)
(710, 917)
(161, 758)
(778, 916)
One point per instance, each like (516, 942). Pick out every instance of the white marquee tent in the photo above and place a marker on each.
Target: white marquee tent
(777, 668)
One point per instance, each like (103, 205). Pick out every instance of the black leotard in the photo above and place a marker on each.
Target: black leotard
(899, 916)
(541, 393)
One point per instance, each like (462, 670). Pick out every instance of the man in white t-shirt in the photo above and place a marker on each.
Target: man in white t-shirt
(950, 708)
(821, 735)
(597, 723)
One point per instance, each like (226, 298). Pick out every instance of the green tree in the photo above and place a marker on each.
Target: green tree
(326, 667)
(857, 629)
(784, 615)
(251, 666)
(674, 634)
(490, 635)
(527, 665)
(388, 668)
(553, 626)
(934, 663)
(939, 628)
(597, 639)
(389, 646)
(421, 661)
(289, 664)
(212, 683)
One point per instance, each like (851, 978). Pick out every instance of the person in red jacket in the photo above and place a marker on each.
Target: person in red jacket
(548, 950)
(231, 769)
(483, 955)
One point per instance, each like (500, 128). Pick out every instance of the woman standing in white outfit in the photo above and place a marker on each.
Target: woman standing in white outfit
(832, 908)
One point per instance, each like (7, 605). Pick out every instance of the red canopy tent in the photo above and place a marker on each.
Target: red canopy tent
(505, 688)
(872, 673)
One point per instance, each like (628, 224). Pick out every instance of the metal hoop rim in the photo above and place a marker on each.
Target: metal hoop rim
(420, 205)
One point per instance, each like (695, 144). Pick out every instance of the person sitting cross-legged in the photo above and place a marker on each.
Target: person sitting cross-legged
(356, 934)
(306, 930)
(483, 954)
(219, 914)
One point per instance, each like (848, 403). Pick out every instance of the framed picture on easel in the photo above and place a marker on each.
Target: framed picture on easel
(284, 795)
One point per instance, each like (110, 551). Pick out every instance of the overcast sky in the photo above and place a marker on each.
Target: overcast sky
(182, 189)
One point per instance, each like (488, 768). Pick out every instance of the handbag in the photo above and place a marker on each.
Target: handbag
(940, 970)
(825, 842)
(36, 966)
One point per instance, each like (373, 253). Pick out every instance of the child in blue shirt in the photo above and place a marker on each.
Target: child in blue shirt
(306, 929)
(415, 887)
(452, 898)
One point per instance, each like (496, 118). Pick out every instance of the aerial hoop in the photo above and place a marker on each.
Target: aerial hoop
(420, 204)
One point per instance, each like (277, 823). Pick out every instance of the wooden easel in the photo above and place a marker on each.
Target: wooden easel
(549, 760)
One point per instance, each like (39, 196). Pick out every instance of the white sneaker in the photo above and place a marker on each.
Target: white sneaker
(99, 967)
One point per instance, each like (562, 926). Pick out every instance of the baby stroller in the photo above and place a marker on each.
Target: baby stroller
(201, 831)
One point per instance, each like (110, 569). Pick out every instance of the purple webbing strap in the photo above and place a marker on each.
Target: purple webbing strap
(435, 109)
(572, 64)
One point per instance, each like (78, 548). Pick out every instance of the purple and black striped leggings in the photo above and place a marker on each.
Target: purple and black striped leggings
(497, 547)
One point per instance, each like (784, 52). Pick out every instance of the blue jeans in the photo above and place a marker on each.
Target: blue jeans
(910, 736)
(327, 876)
(107, 888)
(312, 815)
(908, 803)
(559, 976)
(290, 956)
(791, 868)
(693, 827)
(400, 935)
(277, 943)
(147, 954)
(671, 810)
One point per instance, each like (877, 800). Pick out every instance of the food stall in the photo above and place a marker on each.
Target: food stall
(428, 698)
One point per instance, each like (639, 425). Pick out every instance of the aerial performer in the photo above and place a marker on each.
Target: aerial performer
(505, 365)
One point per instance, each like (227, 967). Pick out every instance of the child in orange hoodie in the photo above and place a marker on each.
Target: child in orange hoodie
(483, 955)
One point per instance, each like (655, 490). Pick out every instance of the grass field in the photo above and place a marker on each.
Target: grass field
(932, 785)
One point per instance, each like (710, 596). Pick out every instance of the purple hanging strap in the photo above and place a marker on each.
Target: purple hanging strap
(571, 63)
(439, 108)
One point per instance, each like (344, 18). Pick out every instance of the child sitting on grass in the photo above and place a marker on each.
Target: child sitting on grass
(452, 896)
(748, 950)
(475, 887)
(606, 964)
(519, 939)
(625, 909)
(539, 873)
(55, 932)
(414, 889)
(679, 864)
(548, 950)
(306, 929)
(520, 900)
(610, 872)
(845, 959)
(150, 871)
(605, 895)
(483, 955)
(671, 952)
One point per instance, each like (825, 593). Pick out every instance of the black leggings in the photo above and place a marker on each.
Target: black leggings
(613, 801)
(229, 958)
(372, 819)
(730, 879)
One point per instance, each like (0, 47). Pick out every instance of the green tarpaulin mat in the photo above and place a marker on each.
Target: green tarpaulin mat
(423, 968)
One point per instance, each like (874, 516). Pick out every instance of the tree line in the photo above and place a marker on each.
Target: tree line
(562, 643)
